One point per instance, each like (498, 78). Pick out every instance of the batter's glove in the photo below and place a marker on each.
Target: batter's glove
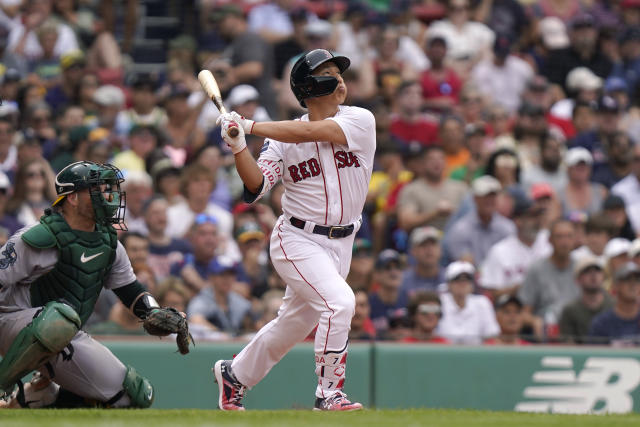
(244, 123)
(164, 321)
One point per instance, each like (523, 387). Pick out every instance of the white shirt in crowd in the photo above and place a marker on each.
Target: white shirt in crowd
(65, 43)
(469, 325)
(473, 39)
(503, 85)
(509, 259)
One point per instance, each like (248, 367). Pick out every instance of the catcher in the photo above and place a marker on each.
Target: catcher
(50, 278)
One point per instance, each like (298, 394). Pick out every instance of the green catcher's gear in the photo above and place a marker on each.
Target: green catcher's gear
(84, 260)
(47, 335)
(84, 174)
(138, 388)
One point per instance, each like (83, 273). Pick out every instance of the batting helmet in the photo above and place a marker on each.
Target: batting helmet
(80, 175)
(304, 85)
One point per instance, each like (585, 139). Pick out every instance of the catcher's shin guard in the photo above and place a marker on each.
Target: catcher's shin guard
(138, 388)
(47, 335)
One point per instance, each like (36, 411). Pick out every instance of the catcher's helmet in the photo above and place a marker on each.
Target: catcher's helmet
(304, 85)
(80, 175)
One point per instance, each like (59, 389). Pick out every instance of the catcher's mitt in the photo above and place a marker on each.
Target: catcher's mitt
(165, 321)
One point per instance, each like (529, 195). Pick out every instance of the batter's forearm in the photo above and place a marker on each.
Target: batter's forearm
(249, 171)
(296, 131)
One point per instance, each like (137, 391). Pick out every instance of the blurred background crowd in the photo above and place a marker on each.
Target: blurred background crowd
(505, 203)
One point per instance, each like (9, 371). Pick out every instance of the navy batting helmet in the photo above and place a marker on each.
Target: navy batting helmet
(304, 85)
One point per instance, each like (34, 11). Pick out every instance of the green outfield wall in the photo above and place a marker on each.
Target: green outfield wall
(536, 378)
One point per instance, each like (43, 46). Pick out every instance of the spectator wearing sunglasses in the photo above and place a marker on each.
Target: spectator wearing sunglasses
(388, 304)
(425, 312)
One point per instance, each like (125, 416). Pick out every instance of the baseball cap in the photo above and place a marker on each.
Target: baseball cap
(634, 250)
(74, 58)
(502, 46)
(540, 190)
(615, 84)
(608, 104)
(613, 201)
(616, 247)
(204, 218)
(144, 81)
(10, 75)
(458, 268)
(576, 155)
(223, 11)
(582, 78)
(522, 203)
(627, 270)
(585, 262)
(249, 231)
(506, 299)
(436, 39)
(318, 28)
(220, 265)
(109, 95)
(485, 185)
(178, 91)
(78, 134)
(553, 33)
(582, 20)
(386, 257)
(98, 134)
(422, 234)
(242, 94)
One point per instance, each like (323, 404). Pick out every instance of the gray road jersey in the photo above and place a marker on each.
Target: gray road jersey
(20, 268)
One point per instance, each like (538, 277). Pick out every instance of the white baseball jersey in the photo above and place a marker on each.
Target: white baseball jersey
(324, 183)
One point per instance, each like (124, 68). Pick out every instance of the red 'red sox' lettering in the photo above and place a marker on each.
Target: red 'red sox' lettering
(310, 168)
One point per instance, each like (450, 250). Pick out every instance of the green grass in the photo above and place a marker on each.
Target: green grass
(367, 418)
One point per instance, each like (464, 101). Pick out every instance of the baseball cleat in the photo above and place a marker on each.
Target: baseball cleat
(336, 402)
(40, 392)
(230, 390)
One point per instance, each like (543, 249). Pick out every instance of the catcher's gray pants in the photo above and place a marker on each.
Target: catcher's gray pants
(85, 367)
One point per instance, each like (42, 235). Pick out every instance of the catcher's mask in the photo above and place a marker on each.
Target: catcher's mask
(99, 179)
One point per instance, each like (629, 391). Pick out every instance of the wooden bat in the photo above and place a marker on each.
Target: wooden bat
(210, 86)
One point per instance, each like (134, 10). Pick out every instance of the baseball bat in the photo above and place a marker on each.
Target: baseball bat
(210, 86)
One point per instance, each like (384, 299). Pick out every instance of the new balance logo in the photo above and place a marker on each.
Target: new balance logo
(604, 385)
(84, 259)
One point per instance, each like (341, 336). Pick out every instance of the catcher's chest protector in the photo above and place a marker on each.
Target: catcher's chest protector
(84, 260)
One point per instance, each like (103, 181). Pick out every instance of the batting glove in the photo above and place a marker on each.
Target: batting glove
(245, 124)
(237, 143)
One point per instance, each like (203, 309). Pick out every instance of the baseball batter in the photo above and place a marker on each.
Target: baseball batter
(50, 278)
(325, 161)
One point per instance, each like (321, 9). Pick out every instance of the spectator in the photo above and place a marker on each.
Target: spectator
(620, 325)
(387, 303)
(476, 142)
(66, 92)
(466, 318)
(144, 110)
(452, 138)
(270, 304)
(472, 236)
(616, 254)
(8, 151)
(598, 231)
(293, 45)
(503, 164)
(628, 66)
(440, 84)
(121, 321)
(583, 117)
(576, 316)
(361, 325)
(183, 134)
(253, 267)
(138, 186)
(614, 208)
(505, 266)
(409, 124)
(109, 102)
(74, 151)
(510, 317)
(193, 268)
(425, 311)
(7, 221)
(503, 77)
(425, 273)
(549, 284)
(163, 249)
(143, 140)
(362, 262)
(581, 194)
(431, 197)
(550, 170)
(629, 187)
(137, 247)
(583, 86)
(619, 161)
(272, 20)
(172, 292)
(217, 306)
(33, 193)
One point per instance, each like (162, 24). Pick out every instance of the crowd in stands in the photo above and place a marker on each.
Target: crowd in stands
(504, 207)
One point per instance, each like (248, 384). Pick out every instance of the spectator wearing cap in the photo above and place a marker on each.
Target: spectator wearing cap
(217, 306)
(598, 231)
(544, 199)
(144, 108)
(616, 254)
(362, 263)
(529, 126)
(549, 283)
(582, 51)
(510, 317)
(253, 268)
(164, 250)
(620, 325)
(384, 188)
(245, 100)
(614, 207)
(619, 161)
(553, 32)
(361, 325)
(628, 67)
(576, 316)
(182, 132)
(46, 69)
(66, 92)
(466, 318)
(440, 83)
(388, 304)
(503, 77)
(431, 197)
(476, 142)
(629, 187)
(409, 123)
(143, 140)
(8, 221)
(550, 169)
(580, 193)
(8, 150)
(506, 264)
(467, 41)
(425, 312)
(425, 272)
(583, 85)
(472, 236)
(9, 83)
(250, 56)
(75, 150)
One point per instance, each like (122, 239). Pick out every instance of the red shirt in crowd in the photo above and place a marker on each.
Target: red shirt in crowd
(425, 131)
(449, 87)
